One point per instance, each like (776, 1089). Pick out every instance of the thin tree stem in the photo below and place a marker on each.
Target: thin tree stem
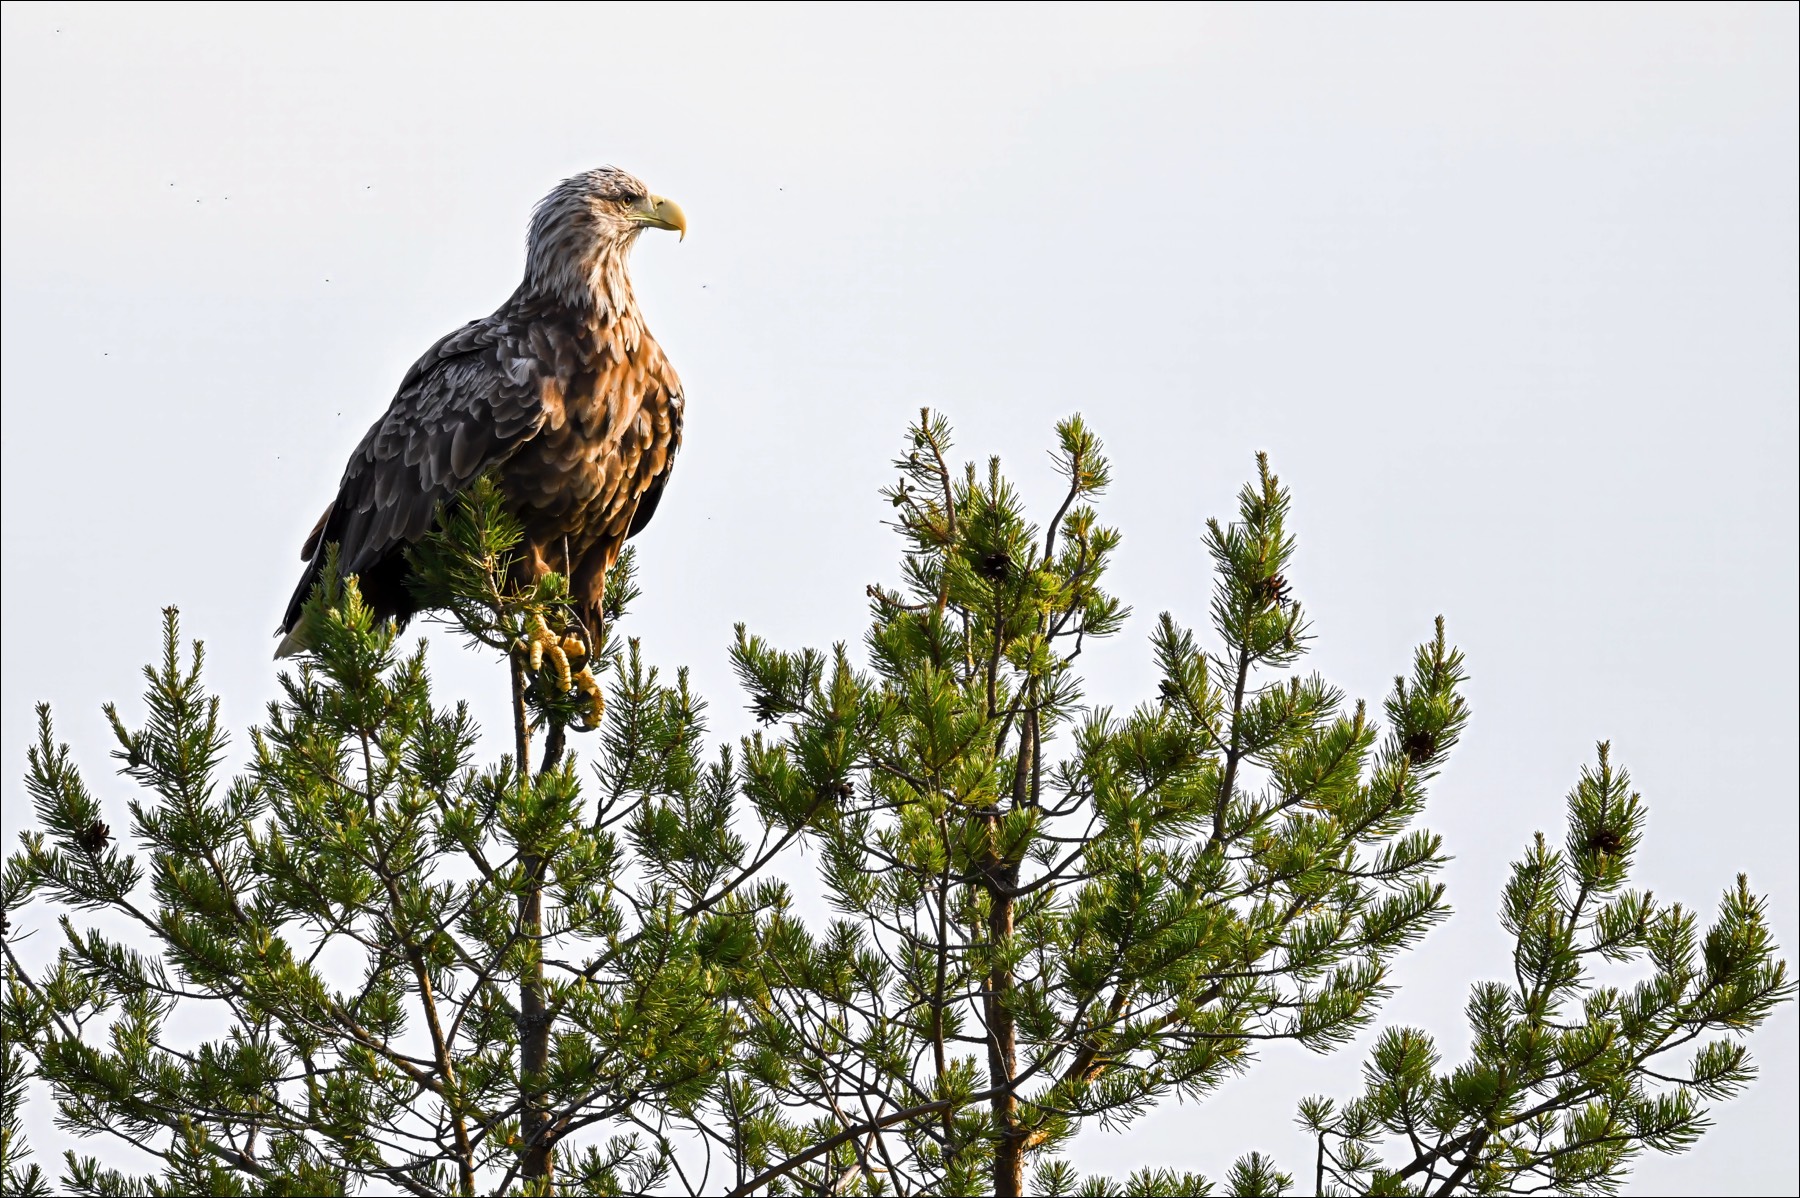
(1232, 755)
(553, 748)
(521, 721)
(824, 1147)
(537, 1157)
(1468, 1165)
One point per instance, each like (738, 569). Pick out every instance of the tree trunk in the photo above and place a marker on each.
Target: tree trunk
(1003, 1053)
(537, 1158)
(534, 1035)
(1003, 1047)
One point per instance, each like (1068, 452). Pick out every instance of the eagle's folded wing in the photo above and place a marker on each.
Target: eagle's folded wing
(465, 406)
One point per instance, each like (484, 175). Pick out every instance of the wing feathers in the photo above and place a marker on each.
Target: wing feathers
(464, 405)
(312, 538)
(465, 452)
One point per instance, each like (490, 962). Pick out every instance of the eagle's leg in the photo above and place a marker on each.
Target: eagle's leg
(587, 586)
(587, 603)
(592, 618)
(586, 628)
(534, 561)
(589, 616)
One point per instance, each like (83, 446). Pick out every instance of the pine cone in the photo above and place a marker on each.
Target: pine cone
(1606, 841)
(1420, 744)
(1271, 590)
(93, 838)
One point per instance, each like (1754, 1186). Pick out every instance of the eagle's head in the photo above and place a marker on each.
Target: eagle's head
(580, 232)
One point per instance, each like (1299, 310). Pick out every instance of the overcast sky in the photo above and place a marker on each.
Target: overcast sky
(1508, 293)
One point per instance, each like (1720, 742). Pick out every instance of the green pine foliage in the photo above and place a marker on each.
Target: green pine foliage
(1568, 1077)
(1052, 914)
(419, 972)
(419, 975)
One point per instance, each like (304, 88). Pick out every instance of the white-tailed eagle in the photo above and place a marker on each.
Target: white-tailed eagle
(562, 395)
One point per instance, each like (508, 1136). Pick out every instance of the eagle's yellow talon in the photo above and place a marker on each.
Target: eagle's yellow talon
(596, 697)
(560, 660)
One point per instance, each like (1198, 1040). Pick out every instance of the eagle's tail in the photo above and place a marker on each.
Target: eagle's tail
(292, 641)
(293, 630)
(384, 585)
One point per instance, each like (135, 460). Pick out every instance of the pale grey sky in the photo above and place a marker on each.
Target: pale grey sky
(1508, 292)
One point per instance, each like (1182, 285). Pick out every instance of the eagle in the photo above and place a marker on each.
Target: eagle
(562, 396)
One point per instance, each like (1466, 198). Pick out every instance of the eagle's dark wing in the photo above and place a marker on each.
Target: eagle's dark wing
(665, 409)
(467, 404)
(646, 507)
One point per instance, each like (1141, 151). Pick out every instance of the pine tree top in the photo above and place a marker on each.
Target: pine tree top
(580, 968)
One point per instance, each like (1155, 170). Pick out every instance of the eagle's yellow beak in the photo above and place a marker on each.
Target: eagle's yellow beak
(659, 213)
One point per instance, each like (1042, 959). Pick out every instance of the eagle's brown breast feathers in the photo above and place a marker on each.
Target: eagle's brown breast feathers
(591, 476)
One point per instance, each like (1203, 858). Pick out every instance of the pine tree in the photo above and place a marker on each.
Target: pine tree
(1568, 1079)
(431, 976)
(423, 975)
